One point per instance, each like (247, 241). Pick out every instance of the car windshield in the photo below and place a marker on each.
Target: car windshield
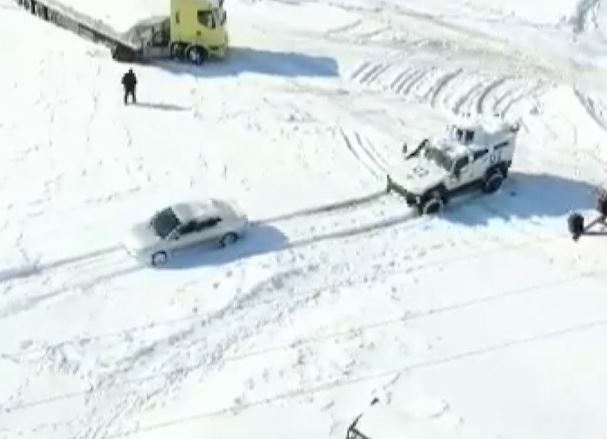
(164, 222)
(438, 156)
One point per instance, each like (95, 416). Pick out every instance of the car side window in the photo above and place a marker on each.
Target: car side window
(187, 228)
(207, 223)
(469, 136)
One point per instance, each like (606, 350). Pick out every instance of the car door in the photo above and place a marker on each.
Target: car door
(208, 229)
(185, 235)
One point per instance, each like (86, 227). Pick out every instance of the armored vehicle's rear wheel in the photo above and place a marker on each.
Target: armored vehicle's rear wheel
(228, 239)
(159, 258)
(493, 181)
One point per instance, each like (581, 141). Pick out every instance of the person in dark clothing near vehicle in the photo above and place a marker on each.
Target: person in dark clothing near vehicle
(129, 82)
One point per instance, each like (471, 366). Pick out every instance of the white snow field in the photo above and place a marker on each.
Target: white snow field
(487, 319)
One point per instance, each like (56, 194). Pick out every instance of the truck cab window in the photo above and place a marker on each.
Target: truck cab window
(206, 19)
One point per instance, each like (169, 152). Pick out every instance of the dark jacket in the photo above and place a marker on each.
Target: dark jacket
(129, 80)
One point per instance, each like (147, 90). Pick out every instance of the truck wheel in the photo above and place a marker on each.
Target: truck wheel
(492, 182)
(432, 205)
(123, 54)
(576, 224)
(177, 51)
(159, 258)
(228, 239)
(196, 55)
(602, 204)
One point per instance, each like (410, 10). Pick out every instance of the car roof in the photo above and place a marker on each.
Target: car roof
(188, 210)
(384, 422)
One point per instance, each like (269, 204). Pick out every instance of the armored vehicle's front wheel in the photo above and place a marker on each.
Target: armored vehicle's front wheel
(431, 206)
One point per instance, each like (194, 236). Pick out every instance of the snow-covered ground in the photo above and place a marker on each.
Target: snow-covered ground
(487, 318)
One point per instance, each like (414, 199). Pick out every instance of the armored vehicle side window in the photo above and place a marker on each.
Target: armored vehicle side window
(460, 164)
(479, 154)
(468, 136)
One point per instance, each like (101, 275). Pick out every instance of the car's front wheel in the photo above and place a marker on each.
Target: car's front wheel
(228, 239)
(159, 258)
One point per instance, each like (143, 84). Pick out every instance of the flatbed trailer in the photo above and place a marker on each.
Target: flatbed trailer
(195, 30)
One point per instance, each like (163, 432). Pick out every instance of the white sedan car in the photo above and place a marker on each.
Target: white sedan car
(184, 225)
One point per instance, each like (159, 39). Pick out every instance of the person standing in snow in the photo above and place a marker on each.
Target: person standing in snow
(129, 82)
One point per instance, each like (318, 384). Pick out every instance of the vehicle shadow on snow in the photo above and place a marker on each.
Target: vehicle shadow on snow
(264, 62)
(529, 196)
(258, 240)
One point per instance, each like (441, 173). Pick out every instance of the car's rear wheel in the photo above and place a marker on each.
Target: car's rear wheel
(159, 258)
(228, 239)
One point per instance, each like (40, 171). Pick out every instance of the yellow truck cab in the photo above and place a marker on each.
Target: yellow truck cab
(195, 31)
(198, 29)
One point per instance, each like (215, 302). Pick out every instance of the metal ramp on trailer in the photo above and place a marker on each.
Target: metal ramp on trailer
(81, 24)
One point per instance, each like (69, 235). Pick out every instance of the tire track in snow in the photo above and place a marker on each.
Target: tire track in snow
(412, 263)
(443, 83)
(359, 70)
(585, 12)
(412, 88)
(364, 163)
(345, 28)
(340, 205)
(491, 88)
(77, 276)
(319, 338)
(460, 90)
(595, 110)
(341, 382)
(531, 94)
(402, 76)
(407, 85)
(206, 342)
(38, 268)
